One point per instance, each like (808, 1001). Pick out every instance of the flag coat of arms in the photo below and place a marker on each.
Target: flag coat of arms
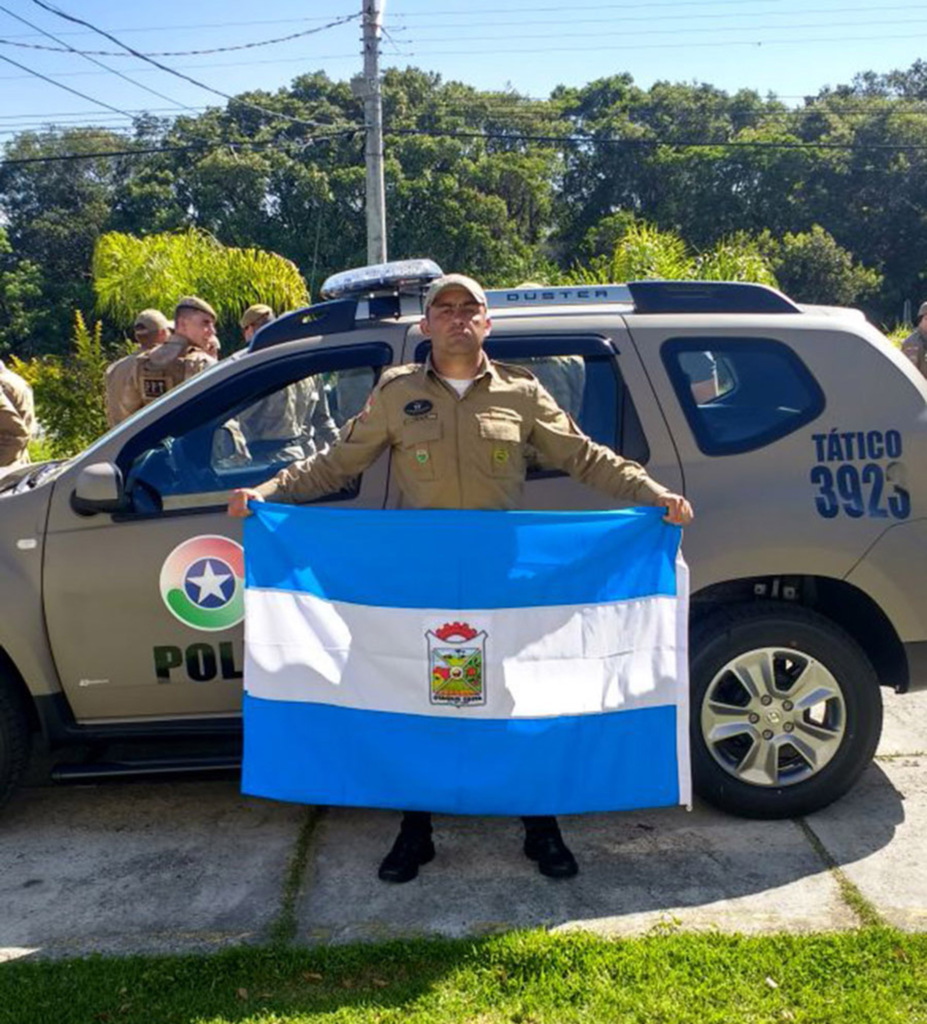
(466, 662)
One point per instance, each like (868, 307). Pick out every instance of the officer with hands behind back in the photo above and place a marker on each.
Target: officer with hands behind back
(458, 427)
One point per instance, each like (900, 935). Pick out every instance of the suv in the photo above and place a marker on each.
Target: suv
(795, 431)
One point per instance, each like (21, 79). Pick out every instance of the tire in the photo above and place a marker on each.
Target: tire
(15, 741)
(756, 752)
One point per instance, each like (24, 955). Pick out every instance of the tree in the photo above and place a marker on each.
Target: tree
(131, 273)
(811, 267)
(70, 393)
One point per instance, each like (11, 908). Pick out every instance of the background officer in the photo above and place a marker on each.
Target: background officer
(188, 351)
(292, 423)
(151, 328)
(458, 427)
(915, 345)
(17, 419)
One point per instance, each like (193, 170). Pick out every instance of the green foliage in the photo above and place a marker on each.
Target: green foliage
(70, 396)
(812, 267)
(481, 182)
(644, 251)
(131, 273)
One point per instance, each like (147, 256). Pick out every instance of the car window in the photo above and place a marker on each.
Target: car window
(739, 394)
(585, 382)
(245, 440)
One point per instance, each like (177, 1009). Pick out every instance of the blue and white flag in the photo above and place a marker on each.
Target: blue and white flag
(466, 662)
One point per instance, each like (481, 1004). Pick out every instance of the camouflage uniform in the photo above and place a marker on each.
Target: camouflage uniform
(17, 419)
(469, 452)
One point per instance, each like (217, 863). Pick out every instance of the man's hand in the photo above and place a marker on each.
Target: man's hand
(238, 503)
(678, 510)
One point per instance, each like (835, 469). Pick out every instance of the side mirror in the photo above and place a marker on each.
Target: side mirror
(99, 489)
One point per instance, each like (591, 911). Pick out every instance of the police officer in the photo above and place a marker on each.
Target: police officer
(17, 419)
(292, 423)
(915, 345)
(151, 328)
(189, 350)
(458, 426)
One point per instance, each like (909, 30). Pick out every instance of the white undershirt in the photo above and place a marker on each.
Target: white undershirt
(460, 384)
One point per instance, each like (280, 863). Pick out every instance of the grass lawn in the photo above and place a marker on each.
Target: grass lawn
(873, 975)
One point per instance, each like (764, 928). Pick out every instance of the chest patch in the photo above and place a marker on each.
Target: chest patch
(154, 387)
(418, 407)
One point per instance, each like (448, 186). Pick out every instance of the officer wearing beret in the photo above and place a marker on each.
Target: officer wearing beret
(458, 427)
(151, 328)
(17, 419)
(190, 349)
(915, 345)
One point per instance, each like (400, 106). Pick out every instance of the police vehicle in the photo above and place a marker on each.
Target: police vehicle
(798, 433)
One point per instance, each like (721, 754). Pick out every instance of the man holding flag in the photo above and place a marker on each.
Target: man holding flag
(458, 427)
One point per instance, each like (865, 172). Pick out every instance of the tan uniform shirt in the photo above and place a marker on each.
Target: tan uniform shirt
(469, 452)
(121, 392)
(17, 419)
(915, 348)
(155, 372)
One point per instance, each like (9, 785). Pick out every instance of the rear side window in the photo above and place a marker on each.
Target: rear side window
(740, 394)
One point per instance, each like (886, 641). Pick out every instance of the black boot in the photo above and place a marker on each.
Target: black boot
(544, 844)
(412, 848)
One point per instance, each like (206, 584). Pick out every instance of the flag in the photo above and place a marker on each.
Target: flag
(466, 662)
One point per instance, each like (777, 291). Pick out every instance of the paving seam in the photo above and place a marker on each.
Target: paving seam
(284, 927)
(865, 911)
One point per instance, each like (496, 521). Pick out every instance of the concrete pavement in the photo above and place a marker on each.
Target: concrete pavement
(156, 867)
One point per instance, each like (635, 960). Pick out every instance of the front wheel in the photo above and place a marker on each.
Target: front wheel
(786, 711)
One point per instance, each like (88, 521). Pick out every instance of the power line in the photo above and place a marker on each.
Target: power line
(93, 60)
(65, 48)
(60, 85)
(171, 71)
(556, 140)
(203, 148)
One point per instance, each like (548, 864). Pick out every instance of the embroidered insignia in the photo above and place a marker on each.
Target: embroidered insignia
(417, 408)
(421, 456)
(456, 658)
(500, 455)
(153, 387)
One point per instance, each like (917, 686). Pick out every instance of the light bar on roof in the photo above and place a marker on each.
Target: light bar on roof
(401, 275)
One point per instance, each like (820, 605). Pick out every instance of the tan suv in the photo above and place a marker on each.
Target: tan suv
(796, 431)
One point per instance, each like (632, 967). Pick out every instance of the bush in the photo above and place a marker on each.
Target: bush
(70, 396)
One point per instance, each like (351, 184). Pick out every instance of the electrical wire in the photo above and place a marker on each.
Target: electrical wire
(173, 53)
(163, 67)
(60, 85)
(93, 60)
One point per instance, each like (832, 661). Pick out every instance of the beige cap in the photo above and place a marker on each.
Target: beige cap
(922, 312)
(455, 281)
(151, 321)
(194, 302)
(254, 314)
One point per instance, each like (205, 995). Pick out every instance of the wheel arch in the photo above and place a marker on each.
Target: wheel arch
(845, 605)
(11, 677)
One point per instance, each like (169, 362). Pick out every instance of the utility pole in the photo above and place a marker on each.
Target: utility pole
(373, 120)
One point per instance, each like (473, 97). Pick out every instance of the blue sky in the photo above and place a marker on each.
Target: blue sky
(785, 47)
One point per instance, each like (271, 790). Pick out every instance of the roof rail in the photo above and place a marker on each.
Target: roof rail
(322, 318)
(708, 297)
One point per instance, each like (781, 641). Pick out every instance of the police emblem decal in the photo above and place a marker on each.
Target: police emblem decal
(418, 407)
(457, 665)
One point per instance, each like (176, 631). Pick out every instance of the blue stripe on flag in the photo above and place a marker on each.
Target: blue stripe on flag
(310, 753)
(553, 558)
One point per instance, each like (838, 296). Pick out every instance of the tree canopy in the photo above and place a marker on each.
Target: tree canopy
(829, 198)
